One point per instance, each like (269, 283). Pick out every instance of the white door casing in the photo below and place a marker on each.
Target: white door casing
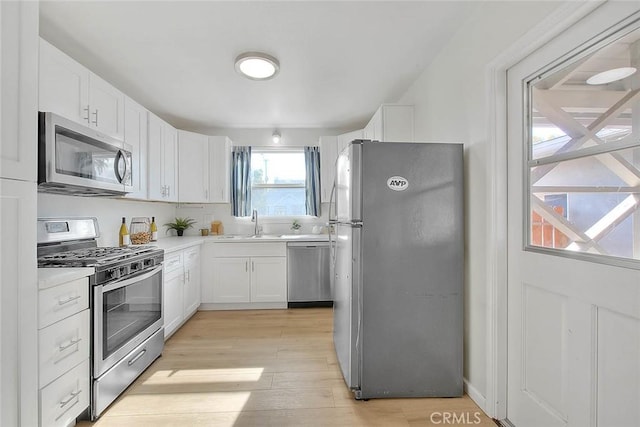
(573, 336)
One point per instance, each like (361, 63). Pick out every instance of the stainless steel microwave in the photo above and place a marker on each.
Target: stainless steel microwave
(75, 159)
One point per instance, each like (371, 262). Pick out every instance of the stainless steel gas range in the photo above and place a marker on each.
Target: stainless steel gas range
(126, 302)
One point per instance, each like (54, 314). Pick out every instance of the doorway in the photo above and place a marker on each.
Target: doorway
(573, 233)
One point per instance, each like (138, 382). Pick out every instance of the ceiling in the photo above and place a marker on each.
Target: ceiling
(339, 60)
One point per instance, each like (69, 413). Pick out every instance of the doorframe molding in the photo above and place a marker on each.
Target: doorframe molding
(566, 15)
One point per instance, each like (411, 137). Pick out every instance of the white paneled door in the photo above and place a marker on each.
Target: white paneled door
(573, 324)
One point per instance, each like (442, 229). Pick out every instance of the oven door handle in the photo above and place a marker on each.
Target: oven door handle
(130, 280)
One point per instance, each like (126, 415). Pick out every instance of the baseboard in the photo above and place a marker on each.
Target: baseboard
(475, 395)
(242, 306)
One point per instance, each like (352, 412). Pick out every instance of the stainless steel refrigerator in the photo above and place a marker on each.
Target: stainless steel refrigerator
(398, 268)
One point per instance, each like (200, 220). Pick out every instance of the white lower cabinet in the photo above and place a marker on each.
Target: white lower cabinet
(63, 345)
(269, 279)
(65, 398)
(231, 280)
(172, 292)
(181, 292)
(244, 275)
(63, 352)
(191, 300)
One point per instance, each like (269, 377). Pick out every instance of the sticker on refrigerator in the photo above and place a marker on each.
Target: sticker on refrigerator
(397, 183)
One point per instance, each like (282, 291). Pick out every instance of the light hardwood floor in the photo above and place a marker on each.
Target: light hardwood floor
(265, 368)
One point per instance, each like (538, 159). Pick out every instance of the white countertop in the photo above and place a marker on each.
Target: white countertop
(49, 277)
(231, 238)
(175, 243)
(171, 244)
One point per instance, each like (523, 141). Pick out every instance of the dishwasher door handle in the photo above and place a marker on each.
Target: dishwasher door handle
(320, 244)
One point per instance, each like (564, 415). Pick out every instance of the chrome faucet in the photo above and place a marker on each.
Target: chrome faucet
(254, 218)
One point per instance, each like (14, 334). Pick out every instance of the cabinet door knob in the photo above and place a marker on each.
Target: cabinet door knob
(87, 111)
(95, 113)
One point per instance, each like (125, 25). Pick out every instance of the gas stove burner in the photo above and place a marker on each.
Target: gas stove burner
(88, 257)
(72, 242)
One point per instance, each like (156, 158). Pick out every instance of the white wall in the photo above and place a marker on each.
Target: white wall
(450, 105)
(108, 211)
(262, 137)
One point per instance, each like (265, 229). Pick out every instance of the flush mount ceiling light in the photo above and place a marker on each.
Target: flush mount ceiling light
(276, 137)
(611, 76)
(257, 65)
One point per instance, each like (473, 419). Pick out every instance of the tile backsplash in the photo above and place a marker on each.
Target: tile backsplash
(205, 213)
(110, 212)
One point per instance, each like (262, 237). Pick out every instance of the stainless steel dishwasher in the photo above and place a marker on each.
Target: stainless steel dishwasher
(308, 276)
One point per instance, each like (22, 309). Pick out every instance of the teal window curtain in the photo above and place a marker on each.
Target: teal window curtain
(241, 181)
(312, 190)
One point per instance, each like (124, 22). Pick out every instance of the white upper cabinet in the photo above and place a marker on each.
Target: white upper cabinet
(106, 107)
(346, 138)
(135, 135)
(219, 169)
(391, 123)
(162, 160)
(69, 89)
(328, 156)
(193, 167)
(64, 85)
(18, 85)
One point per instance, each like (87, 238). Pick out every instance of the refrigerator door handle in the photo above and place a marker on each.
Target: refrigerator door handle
(332, 223)
(331, 202)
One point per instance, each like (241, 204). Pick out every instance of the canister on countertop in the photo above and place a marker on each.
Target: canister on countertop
(217, 228)
(140, 230)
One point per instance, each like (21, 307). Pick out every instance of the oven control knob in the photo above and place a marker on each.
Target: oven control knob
(111, 274)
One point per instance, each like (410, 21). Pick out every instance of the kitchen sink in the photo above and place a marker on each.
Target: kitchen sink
(267, 237)
(245, 236)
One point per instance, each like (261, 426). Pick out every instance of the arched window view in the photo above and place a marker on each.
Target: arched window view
(584, 156)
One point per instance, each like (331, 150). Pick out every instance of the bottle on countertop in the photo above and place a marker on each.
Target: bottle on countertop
(154, 229)
(124, 238)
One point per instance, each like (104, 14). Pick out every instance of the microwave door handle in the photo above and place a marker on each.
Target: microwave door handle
(120, 158)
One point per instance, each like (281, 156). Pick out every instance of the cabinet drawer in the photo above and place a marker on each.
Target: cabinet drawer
(62, 301)
(63, 345)
(172, 263)
(192, 256)
(65, 398)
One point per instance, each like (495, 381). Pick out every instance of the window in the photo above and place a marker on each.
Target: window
(278, 181)
(584, 154)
